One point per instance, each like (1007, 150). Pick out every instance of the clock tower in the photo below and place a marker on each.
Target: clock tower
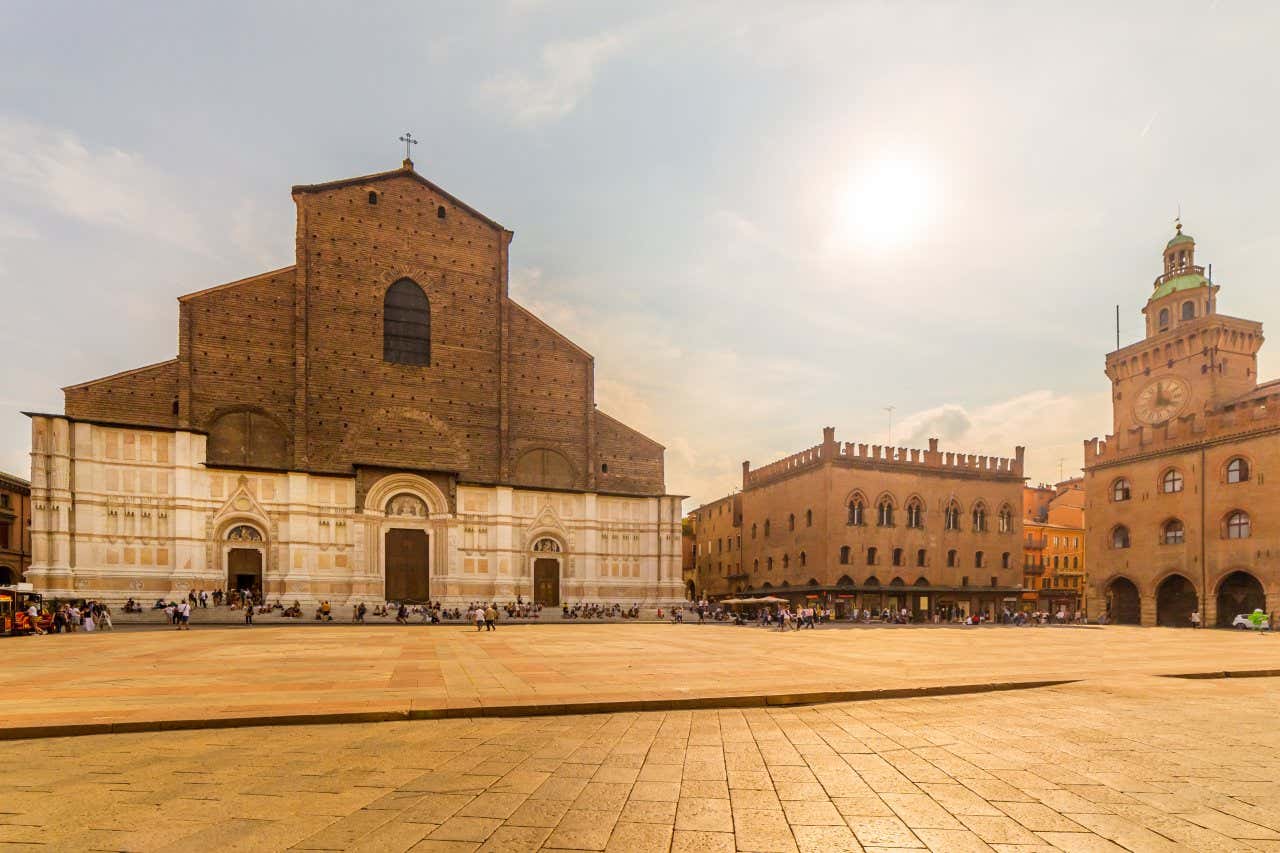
(1192, 358)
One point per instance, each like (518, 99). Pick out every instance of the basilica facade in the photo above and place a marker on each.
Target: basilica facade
(377, 420)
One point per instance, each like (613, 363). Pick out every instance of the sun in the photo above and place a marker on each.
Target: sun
(886, 204)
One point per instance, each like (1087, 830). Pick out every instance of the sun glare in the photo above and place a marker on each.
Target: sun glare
(887, 204)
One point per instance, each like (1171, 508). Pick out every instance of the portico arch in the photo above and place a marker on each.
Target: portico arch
(546, 556)
(1124, 605)
(1239, 592)
(243, 544)
(1176, 600)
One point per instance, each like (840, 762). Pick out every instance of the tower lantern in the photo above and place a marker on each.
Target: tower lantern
(1180, 252)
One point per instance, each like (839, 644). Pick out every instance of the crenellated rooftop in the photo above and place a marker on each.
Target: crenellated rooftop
(1257, 412)
(877, 455)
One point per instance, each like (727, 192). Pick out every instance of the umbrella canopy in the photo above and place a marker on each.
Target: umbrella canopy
(768, 599)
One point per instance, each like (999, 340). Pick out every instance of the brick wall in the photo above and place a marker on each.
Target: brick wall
(143, 396)
(628, 462)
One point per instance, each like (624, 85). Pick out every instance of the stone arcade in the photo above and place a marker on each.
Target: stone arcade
(379, 419)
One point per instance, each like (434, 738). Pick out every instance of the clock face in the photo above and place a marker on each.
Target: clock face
(1161, 400)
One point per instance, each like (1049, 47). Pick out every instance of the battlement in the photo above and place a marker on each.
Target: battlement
(851, 453)
(1231, 421)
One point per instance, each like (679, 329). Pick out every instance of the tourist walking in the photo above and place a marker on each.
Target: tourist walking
(478, 615)
(491, 618)
(248, 614)
(1195, 618)
(184, 616)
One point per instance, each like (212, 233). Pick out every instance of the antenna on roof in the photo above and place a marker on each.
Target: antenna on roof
(1117, 327)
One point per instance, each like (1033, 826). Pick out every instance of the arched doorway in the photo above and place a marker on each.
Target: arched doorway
(1124, 607)
(1176, 600)
(546, 572)
(407, 558)
(7, 576)
(1239, 592)
(244, 549)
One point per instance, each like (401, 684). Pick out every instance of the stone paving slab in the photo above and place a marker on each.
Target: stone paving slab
(340, 673)
(1116, 763)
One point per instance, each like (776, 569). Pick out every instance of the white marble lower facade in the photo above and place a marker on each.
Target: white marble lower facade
(120, 512)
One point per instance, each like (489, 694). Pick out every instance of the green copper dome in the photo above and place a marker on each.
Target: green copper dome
(1189, 281)
(1178, 239)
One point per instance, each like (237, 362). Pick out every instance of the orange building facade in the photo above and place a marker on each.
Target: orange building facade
(1178, 499)
(852, 525)
(1053, 546)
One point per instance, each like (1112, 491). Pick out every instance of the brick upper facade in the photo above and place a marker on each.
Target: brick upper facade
(285, 370)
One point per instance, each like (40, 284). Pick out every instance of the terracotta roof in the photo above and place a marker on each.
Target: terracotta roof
(14, 480)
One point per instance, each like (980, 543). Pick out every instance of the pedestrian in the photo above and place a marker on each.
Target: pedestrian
(248, 614)
(491, 618)
(184, 616)
(1195, 618)
(478, 615)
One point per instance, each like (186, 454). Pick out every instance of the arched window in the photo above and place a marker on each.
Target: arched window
(1172, 481)
(871, 556)
(951, 517)
(1004, 560)
(804, 559)
(855, 511)
(1237, 470)
(247, 438)
(808, 518)
(897, 556)
(1172, 532)
(1188, 310)
(1006, 519)
(1238, 525)
(980, 518)
(1120, 537)
(915, 513)
(1164, 317)
(951, 558)
(884, 513)
(244, 533)
(978, 559)
(1075, 562)
(920, 557)
(406, 324)
(1120, 490)
(786, 561)
(844, 555)
(373, 197)
(768, 563)
(791, 521)
(753, 531)
(766, 528)
(1055, 561)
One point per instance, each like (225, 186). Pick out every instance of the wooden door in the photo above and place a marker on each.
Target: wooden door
(244, 569)
(546, 582)
(407, 566)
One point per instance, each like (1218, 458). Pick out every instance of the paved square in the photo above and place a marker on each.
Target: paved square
(1142, 763)
(131, 676)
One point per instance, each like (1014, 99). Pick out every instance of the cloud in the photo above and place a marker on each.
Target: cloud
(43, 168)
(1052, 426)
(565, 74)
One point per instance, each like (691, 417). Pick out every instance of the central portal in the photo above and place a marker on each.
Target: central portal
(244, 570)
(407, 566)
(546, 582)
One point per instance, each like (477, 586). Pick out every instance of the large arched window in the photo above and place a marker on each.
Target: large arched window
(980, 518)
(844, 555)
(1238, 525)
(406, 324)
(951, 517)
(1006, 519)
(915, 513)
(1120, 537)
(1237, 470)
(884, 512)
(1164, 317)
(856, 508)
(1188, 310)
(1120, 490)
(1172, 533)
(1171, 482)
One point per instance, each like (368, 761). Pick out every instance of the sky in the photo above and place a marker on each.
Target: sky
(899, 219)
